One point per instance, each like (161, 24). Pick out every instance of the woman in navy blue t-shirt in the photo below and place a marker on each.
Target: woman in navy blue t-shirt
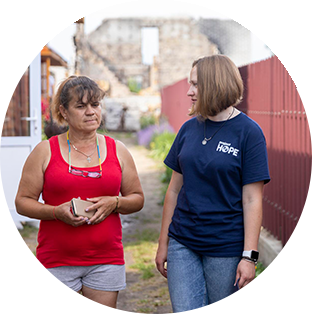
(213, 207)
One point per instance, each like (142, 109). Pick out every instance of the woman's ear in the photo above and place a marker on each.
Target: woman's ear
(63, 111)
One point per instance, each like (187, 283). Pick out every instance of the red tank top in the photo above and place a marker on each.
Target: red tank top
(60, 244)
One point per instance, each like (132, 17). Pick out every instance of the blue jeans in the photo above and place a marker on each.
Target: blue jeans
(195, 280)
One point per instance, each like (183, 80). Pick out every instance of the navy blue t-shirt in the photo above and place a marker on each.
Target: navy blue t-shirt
(208, 217)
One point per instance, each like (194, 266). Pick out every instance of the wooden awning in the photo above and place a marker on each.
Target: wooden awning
(49, 10)
(55, 59)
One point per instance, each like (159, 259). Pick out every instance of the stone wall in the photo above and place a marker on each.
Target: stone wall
(112, 56)
(124, 113)
(92, 64)
(118, 40)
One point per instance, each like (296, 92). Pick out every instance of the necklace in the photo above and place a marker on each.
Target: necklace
(79, 151)
(84, 173)
(206, 140)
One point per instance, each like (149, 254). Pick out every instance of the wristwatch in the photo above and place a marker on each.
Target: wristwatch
(251, 255)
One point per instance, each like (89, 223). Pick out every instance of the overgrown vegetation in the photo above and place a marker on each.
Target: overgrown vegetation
(160, 146)
(143, 248)
(133, 85)
(147, 120)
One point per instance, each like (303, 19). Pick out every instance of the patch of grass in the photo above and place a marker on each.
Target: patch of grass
(145, 235)
(146, 269)
(143, 252)
(155, 296)
(27, 231)
(146, 221)
(145, 310)
(161, 292)
(260, 269)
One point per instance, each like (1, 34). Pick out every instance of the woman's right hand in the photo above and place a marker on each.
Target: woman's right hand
(63, 212)
(161, 259)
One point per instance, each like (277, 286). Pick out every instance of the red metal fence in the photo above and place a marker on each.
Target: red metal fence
(272, 100)
(279, 98)
(175, 104)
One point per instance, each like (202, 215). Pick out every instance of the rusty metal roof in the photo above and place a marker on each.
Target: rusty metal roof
(49, 10)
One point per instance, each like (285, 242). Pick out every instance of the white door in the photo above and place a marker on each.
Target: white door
(21, 132)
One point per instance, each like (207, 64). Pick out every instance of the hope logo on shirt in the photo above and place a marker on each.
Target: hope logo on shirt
(226, 148)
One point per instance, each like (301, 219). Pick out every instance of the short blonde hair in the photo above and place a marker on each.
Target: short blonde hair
(219, 85)
(74, 86)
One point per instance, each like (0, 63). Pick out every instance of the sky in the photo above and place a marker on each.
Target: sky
(267, 17)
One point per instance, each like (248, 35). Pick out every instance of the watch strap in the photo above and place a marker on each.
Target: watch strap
(252, 255)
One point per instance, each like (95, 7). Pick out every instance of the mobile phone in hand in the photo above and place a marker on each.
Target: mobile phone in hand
(79, 206)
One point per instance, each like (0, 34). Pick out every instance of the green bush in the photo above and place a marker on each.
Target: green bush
(133, 85)
(160, 146)
(147, 120)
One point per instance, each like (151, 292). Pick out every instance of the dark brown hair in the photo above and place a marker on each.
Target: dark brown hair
(219, 85)
(75, 86)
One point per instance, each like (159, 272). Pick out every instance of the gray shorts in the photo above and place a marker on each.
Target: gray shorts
(97, 277)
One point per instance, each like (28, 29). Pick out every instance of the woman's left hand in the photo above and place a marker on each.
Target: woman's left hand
(104, 206)
(246, 272)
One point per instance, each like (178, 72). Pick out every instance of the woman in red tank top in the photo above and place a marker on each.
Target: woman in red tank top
(86, 254)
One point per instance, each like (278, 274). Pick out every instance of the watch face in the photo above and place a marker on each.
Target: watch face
(254, 255)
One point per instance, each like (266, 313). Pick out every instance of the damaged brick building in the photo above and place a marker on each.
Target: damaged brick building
(112, 54)
(117, 42)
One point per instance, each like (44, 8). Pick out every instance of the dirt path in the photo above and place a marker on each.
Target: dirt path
(144, 295)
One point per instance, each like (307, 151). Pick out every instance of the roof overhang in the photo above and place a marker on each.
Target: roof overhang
(48, 53)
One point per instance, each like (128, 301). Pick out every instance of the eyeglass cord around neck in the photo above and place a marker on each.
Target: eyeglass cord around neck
(69, 152)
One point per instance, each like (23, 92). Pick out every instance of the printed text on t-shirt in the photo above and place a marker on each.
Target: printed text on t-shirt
(226, 148)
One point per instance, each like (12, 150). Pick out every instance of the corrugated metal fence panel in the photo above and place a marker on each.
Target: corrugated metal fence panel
(176, 104)
(274, 103)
